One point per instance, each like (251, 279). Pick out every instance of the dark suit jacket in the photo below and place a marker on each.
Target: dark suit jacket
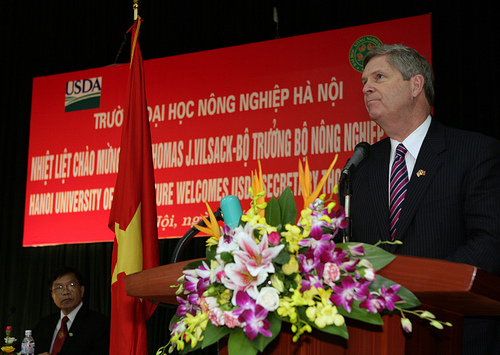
(90, 331)
(452, 211)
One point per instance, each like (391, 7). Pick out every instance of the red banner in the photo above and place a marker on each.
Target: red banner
(213, 115)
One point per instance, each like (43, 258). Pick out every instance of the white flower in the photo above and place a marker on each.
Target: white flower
(269, 298)
(370, 274)
(10, 340)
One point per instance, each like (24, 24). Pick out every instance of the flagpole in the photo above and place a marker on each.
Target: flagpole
(136, 9)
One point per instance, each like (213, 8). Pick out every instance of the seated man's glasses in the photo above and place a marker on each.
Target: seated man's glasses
(60, 288)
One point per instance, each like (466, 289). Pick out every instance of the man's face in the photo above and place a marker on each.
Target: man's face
(67, 293)
(388, 97)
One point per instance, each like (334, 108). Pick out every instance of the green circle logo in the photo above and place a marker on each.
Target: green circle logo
(359, 49)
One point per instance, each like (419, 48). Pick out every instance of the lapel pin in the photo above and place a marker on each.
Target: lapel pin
(420, 173)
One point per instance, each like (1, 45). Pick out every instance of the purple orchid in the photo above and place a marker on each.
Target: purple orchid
(350, 290)
(390, 296)
(336, 219)
(334, 255)
(309, 281)
(252, 316)
(186, 306)
(307, 262)
(318, 242)
(373, 304)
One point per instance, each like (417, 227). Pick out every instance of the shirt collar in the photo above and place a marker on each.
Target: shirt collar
(414, 141)
(72, 314)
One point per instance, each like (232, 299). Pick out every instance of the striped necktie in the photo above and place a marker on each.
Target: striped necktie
(399, 184)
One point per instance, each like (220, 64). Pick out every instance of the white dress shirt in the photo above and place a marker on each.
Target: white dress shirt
(412, 143)
(71, 317)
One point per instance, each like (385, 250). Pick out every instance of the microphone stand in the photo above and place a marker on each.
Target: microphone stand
(345, 194)
(181, 244)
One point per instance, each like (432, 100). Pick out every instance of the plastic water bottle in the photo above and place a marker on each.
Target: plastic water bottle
(28, 344)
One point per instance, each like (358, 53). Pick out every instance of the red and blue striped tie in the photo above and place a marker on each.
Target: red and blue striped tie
(399, 184)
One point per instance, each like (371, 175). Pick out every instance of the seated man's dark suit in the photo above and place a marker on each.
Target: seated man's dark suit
(88, 335)
(451, 211)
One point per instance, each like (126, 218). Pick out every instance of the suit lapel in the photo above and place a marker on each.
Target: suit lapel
(429, 160)
(379, 185)
(75, 328)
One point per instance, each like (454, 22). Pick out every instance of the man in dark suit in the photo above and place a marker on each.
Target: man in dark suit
(449, 188)
(87, 330)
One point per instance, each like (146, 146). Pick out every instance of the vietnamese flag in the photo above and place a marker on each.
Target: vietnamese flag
(133, 215)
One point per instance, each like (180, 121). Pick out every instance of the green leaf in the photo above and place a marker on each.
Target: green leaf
(377, 256)
(273, 212)
(283, 257)
(214, 334)
(411, 301)
(288, 207)
(227, 257)
(193, 265)
(188, 348)
(211, 251)
(175, 318)
(239, 344)
(333, 329)
(261, 341)
(361, 314)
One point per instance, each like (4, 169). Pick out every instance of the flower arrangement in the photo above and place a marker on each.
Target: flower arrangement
(8, 348)
(274, 267)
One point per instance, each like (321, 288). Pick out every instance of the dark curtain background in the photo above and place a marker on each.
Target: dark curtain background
(49, 37)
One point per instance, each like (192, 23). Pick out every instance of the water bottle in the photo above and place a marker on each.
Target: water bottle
(28, 344)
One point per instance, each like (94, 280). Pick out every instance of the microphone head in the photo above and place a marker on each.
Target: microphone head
(231, 210)
(364, 147)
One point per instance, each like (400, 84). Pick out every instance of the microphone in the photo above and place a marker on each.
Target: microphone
(231, 210)
(361, 152)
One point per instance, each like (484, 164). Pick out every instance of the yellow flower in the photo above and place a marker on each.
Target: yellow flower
(291, 267)
(258, 191)
(324, 295)
(260, 223)
(293, 235)
(225, 297)
(8, 349)
(196, 325)
(306, 218)
(287, 310)
(277, 283)
(305, 182)
(324, 314)
(212, 227)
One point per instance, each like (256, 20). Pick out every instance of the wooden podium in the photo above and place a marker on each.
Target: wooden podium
(449, 290)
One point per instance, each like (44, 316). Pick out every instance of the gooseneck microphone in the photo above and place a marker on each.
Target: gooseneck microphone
(361, 152)
(230, 212)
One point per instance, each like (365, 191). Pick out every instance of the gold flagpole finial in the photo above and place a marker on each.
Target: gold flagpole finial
(136, 9)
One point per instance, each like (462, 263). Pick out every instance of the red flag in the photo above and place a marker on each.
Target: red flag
(133, 215)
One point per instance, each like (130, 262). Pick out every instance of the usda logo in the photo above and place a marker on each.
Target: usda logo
(359, 50)
(83, 94)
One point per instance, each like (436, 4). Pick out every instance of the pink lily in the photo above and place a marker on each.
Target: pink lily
(257, 258)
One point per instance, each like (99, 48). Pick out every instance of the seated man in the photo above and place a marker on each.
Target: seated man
(76, 329)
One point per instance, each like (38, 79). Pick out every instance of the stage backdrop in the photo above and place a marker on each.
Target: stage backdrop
(213, 115)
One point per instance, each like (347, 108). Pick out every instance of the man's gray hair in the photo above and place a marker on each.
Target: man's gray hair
(409, 63)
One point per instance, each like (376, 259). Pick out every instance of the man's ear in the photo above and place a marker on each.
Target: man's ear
(418, 84)
(82, 290)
